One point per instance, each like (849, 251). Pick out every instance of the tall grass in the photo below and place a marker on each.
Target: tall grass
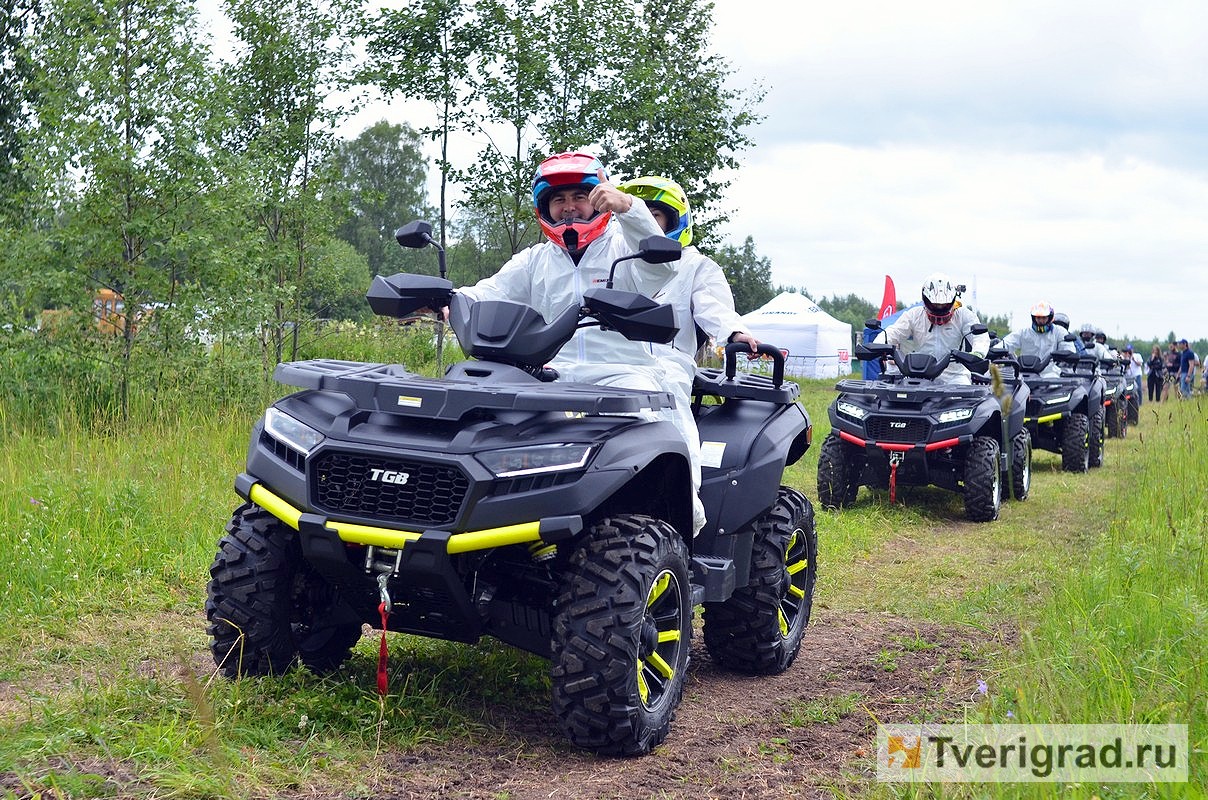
(1124, 637)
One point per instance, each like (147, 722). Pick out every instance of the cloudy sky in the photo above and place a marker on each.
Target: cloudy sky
(1033, 150)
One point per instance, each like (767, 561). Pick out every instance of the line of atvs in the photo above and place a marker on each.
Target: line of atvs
(906, 429)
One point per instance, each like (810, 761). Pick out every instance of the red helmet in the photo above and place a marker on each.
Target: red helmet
(558, 172)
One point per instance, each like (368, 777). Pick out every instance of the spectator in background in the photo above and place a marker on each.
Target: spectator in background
(1187, 364)
(1172, 370)
(1157, 374)
(1133, 368)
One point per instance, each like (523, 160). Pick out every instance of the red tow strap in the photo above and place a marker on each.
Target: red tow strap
(893, 481)
(381, 670)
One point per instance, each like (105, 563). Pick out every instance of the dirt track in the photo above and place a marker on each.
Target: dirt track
(734, 736)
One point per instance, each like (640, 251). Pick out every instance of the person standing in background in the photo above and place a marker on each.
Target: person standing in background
(1187, 364)
(1133, 367)
(1172, 371)
(1157, 374)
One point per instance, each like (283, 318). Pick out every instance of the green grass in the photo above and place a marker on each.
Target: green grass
(110, 534)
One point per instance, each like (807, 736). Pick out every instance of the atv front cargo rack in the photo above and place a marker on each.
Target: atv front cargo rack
(392, 389)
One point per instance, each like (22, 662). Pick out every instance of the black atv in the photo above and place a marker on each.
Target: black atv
(1117, 397)
(500, 501)
(1066, 411)
(906, 429)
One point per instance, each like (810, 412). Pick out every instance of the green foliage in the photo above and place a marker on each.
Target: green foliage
(528, 82)
(17, 95)
(123, 92)
(749, 274)
(428, 50)
(1000, 324)
(291, 59)
(379, 181)
(852, 309)
(336, 281)
(1124, 636)
(676, 109)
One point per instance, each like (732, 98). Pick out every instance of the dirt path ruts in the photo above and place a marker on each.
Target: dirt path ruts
(787, 736)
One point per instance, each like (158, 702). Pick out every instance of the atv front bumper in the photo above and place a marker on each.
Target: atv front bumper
(549, 530)
(917, 447)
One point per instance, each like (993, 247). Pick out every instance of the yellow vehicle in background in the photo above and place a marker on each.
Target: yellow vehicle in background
(108, 315)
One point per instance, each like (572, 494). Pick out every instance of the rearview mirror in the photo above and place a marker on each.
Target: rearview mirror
(415, 235)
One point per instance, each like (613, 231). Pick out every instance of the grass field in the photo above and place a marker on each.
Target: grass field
(107, 688)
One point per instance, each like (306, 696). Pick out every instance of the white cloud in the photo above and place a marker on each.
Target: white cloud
(1112, 243)
(1035, 148)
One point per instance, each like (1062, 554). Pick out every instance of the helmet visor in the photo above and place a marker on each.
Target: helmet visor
(939, 313)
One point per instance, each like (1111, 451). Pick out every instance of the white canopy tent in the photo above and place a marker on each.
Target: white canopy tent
(816, 345)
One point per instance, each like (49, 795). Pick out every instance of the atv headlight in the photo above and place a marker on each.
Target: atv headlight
(1052, 401)
(850, 410)
(516, 461)
(956, 415)
(292, 432)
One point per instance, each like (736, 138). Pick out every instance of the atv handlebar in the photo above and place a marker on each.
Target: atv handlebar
(734, 348)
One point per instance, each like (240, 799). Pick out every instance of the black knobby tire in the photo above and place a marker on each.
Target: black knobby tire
(839, 468)
(1021, 465)
(1133, 414)
(1075, 443)
(983, 480)
(266, 607)
(621, 636)
(1112, 415)
(758, 629)
(1096, 443)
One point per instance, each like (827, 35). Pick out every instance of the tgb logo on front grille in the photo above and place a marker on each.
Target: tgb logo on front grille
(895, 424)
(388, 476)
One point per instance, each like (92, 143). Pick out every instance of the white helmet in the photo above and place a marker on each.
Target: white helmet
(939, 298)
(1042, 317)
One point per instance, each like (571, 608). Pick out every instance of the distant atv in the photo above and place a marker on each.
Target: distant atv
(1117, 397)
(500, 501)
(905, 429)
(1066, 412)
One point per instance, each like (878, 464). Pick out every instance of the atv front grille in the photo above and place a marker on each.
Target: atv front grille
(902, 430)
(387, 489)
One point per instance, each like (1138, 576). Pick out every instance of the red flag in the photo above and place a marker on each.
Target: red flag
(889, 301)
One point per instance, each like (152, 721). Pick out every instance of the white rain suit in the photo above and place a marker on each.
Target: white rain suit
(1027, 342)
(1097, 350)
(939, 340)
(700, 295)
(545, 277)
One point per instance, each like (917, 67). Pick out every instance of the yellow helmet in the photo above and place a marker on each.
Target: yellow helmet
(670, 196)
